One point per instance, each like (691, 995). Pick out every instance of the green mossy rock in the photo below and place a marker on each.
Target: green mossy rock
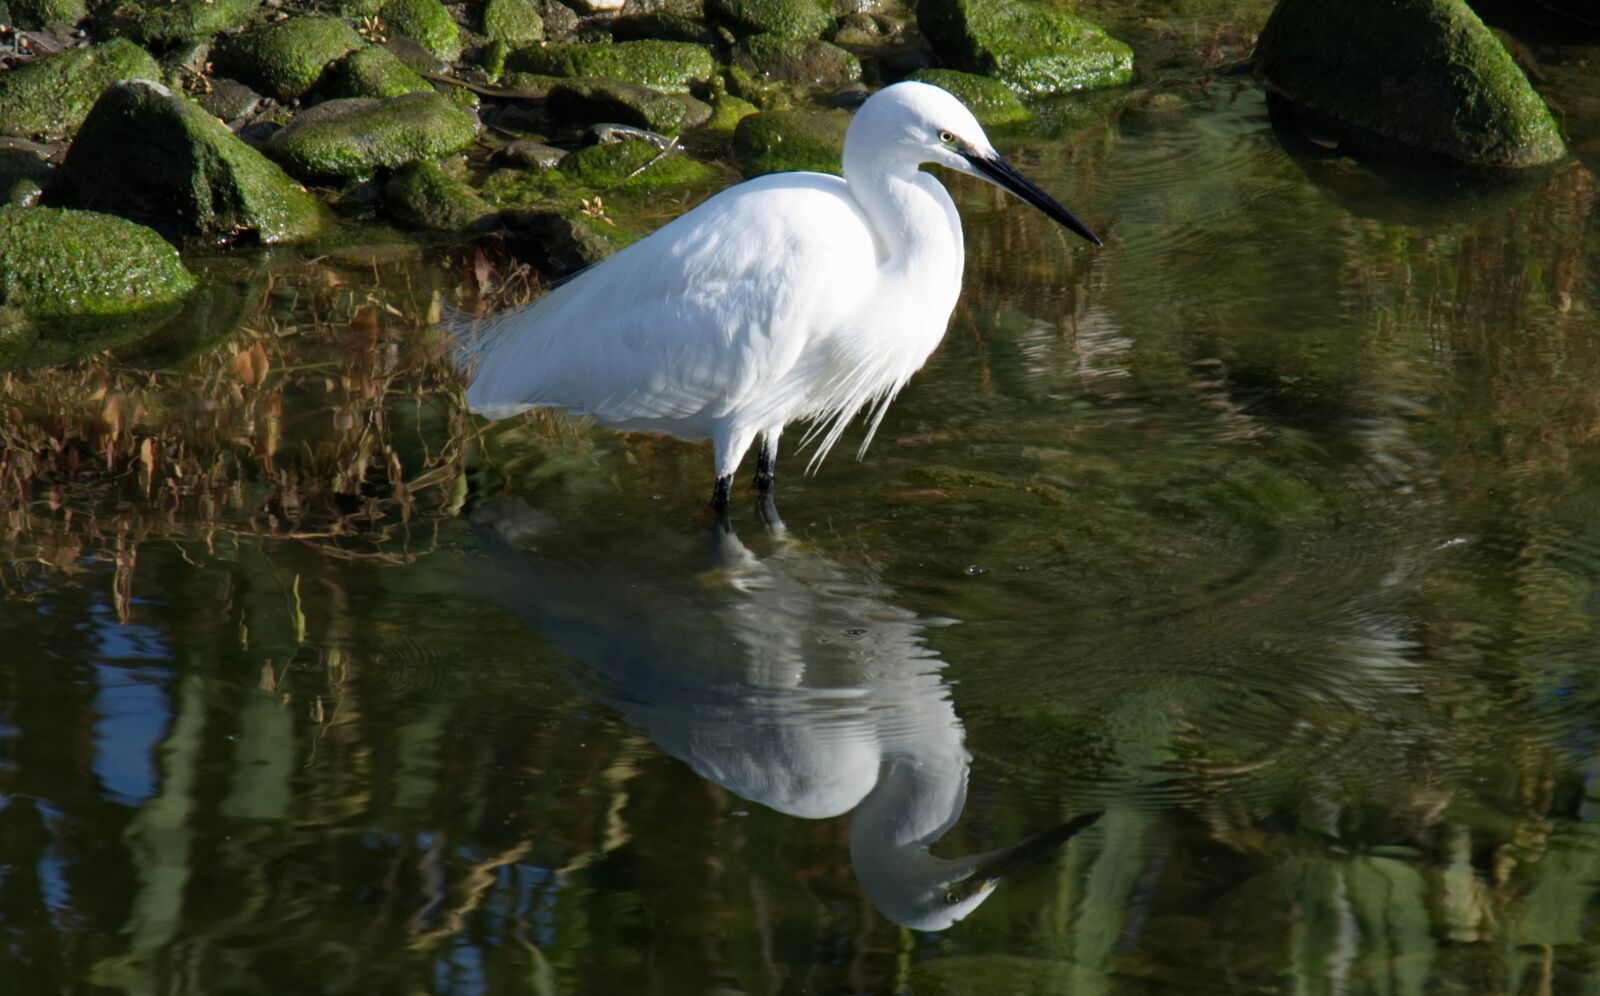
(989, 100)
(22, 176)
(1033, 47)
(351, 138)
(285, 59)
(426, 21)
(561, 242)
(374, 71)
(1423, 74)
(781, 141)
(726, 113)
(172, 22)
(66, 264)
(48, 98)
(42, 13)
(422, 196)
(616, 102)
(666, 66)
(513, 22)
(783, 18)
(807, 62)
(194, 176)
(635, 165)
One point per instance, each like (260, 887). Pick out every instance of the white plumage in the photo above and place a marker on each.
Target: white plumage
(790, 296)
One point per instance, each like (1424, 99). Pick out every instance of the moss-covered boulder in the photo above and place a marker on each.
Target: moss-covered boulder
(808, 62)
(633, 164)
(350, 138)
(426, 21)
(1422, 74)
(42, 13)
(285, 59)
(49, 97)
(616, 102)
(193, 175)
(512, 22)
(726, 113)
(78, 264)
(780, 141)
(563, 241)
(783, 18)
(162, 23)
(374, 71)
(423, 196)
(990, 101)
(23, 176)
(666, 66)
(1033, 47)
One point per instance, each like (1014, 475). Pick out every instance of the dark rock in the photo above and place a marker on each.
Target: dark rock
(424, 197)
(989, 100)
(285, 59)
(1425, 75)
(588, 101)
(532, 155)
(351, 138)
(172, 22)
(34, 14)
(666, 66)
(782, 18)
(229, 100)
(193, 176)
(780, 141)
(50, 96)
(1033, 47)
(513, 22)
(796, 60)
(663, 25)
(425, 20)
(374, 71)
(561, 242)
(23, 176)
(416, 57)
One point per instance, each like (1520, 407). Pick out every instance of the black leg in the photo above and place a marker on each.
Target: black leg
(766, 466)
(719, 494)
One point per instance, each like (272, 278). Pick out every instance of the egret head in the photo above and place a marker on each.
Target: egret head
(928, 123)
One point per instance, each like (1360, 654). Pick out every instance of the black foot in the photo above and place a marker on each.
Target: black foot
(766, 468)
(719, 494)
(768, 510)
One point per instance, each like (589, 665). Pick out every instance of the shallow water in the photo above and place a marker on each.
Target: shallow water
(1269, 532)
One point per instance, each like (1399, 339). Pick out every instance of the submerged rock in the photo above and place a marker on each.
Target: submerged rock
(286, 59)
(33, 14)
(561, 242)
(989, 100)
(512, 22)
(374, 71)
(351, 138)
(424, 197)
(666, 66)
(1033, 47)
(1422, 74)
(193, 175)
(591, 101)
(426, 21)
(783, 18)
(780, 141)
(808, 62)
(57, 263)
(173, 22)
(49, 97)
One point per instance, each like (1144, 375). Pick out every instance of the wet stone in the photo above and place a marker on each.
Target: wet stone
(173, 22)
(532, 155)
(780, 141)
(285, 59)
(810, 63)
(783, 18)
(426, 21)
(589, 101)
(49, 97)
(194, 176)
(58, 263)
(512, 22)
(1033, 47)
(562, 242)
(374, 71)
(23, 176)
(666, 66)
(35, 14)
(989, 100)
(229, 99)
(423, 196)
(351, 138)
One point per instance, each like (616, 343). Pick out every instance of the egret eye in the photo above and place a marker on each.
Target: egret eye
(947, 138)
(952, 897)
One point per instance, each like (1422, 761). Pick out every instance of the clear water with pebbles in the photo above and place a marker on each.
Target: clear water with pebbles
(1269, 531)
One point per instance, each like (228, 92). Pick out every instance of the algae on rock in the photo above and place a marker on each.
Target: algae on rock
(193, 175)
(351, 138)
(374, 71)
(783, 18)
(633, 164)
(1033, 47)
(780, 141)
(1423, 74)
(33, 14)
(425, 21)
(612, 101)
(285, 59)
(424, 197)
(990, 101)
(173, 22)
(49, 97)
(512, 22)
(808, 62)
(56, 263)
(666, 66)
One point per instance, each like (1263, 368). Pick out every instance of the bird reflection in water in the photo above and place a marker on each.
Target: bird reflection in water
(782, 678)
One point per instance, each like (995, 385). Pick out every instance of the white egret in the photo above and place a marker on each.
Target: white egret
(782, 678)
(790, 296)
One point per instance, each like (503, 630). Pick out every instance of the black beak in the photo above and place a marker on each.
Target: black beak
(1003, 174)
(1036, 848)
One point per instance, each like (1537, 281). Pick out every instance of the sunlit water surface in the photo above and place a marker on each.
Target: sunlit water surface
(1271, 531)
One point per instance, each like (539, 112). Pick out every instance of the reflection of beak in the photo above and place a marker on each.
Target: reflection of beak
(1031, 851)
(1003, 174)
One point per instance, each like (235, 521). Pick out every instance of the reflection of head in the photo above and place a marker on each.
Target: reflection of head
(783, 679)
